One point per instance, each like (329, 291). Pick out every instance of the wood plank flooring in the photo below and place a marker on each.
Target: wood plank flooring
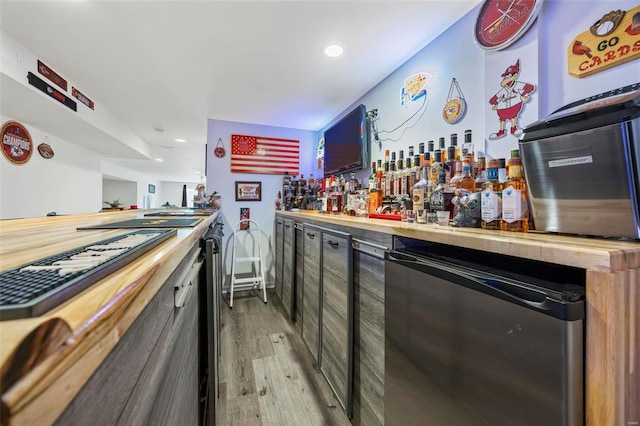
(267, 374)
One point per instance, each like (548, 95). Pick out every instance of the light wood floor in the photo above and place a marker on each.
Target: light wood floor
(267, 374)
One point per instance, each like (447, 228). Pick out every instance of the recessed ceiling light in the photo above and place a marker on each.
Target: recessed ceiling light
(159, 159)
(180, 140)
(333, 51)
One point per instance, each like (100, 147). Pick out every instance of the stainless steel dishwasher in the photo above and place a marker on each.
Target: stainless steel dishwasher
(474, 338)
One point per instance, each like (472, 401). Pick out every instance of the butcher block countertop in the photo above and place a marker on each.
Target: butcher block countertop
(612, 324)
(597, 254)
(45, 360)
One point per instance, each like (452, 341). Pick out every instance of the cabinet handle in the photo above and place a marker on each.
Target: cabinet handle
(287, 226)
(310, 235)
(332, 244)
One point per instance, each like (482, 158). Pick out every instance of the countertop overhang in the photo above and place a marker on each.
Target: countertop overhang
(57, 352)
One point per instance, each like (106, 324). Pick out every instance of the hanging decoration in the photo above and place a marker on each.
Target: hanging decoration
(219, 149)
(456, 106)
(17, 145)
(45, 150)
(612, 40)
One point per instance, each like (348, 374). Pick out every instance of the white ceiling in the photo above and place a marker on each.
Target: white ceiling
(173, 64)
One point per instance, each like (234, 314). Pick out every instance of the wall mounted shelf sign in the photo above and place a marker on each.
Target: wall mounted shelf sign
(82, 98)
(255, 154)
(248, 191)
(17, 145)
(51, 75)
(612, 40)
(51, 91)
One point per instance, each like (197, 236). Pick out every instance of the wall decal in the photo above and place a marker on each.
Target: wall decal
(612, 40)
(509, 101)
(17, 145)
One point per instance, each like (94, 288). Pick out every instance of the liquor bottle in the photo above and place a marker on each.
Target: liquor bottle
(418, 194)
(442, 195)
(436, 166)
(431, 149)
(443, 150)
(450, 166)
(515, 206)
(502, 171)
(481, 176)
(375, 197)
(468, 151)
(466, 181)
(491, 198)
(393, 178)
(379, 178)
(453, 141)
(372, 177)
(410, 173)
(387, 181)
(400, 174)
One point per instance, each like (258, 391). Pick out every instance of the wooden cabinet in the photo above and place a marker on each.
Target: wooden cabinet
(288, 266)
(151, 376)
(299, 276)
(337, 316)
(369, 297)
(312, 245)
(279, 248)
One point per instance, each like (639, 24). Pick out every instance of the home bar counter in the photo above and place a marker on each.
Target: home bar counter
(45, 361)
(84, 330)
(612, 332)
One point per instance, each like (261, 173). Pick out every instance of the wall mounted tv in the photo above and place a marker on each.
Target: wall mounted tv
(346, 144)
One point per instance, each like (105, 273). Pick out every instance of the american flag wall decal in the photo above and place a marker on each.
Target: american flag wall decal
(255, 154)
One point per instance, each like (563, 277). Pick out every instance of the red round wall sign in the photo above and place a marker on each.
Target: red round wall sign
(17, 145)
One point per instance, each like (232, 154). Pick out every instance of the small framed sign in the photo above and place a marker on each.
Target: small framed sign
(152, 189)
(248, 191)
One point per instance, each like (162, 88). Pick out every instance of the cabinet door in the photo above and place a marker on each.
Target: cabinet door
(368, 330)
(288, 266)
(299, 284)
(337, 316)
(312, 244)
(279, 224)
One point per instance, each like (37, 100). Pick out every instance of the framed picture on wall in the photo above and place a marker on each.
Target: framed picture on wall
(245, 213)
(152, 189)
(248, 191)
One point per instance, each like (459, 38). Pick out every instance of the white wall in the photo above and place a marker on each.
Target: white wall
(219, 178)
(68, 183)
(543, 55)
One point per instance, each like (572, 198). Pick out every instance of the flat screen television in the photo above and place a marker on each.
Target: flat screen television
(346, 143)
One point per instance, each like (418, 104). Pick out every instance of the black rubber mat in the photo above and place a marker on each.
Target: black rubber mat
(187, 222)
(32, 289)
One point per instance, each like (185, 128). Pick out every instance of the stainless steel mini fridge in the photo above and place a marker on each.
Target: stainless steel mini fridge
(477, 339)
(582, 166)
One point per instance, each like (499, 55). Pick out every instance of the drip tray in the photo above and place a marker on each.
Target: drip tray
(149, 223)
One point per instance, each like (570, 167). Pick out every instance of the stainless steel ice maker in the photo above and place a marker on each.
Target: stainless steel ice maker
(582, 167)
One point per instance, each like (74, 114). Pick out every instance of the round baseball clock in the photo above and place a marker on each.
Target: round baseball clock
(502, 22)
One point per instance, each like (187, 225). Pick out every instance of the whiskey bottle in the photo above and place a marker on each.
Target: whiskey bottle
(418, 194)
(481, 176)
(442, 195)
(436, 166)
(515, 206)
(491, 198)
(466, 181)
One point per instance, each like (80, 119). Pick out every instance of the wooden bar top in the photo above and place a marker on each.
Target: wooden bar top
(71, 340)
(612, 339)
(591, 253)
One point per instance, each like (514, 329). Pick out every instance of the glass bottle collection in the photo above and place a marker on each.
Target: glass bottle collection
(476, 192)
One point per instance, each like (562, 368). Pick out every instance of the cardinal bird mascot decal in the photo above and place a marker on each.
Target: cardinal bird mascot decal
(510, 100)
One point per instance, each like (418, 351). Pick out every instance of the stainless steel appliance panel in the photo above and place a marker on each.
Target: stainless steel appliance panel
(458, 356)
(586, 182)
